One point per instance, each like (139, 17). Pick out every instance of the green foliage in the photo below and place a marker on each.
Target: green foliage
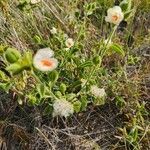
(12, 55)
(15, 68)
(18, 63)
(63, 88)
(53, 76)
(118, 49)
(126, 5)
(2, 49)
(84, 103)
(89, 8)
(99, 101)
(41, 90)
(5, 86)
(120, 102)
(26, 60)
(85, 64)
(97, 60)
(77, 106)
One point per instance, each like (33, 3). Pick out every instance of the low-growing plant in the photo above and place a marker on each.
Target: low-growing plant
(64, 78)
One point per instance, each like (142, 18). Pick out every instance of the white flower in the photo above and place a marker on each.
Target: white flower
(53, 30)
(43, 60)
(98, 92)
(114, 15)
(62, 108)
(35, 1)
(69, 42)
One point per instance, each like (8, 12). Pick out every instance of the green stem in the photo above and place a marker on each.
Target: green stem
(109, 39)
(35, 76)
(38, 79)
(98, 65)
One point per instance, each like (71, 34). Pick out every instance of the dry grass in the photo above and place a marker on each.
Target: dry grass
(97, 128)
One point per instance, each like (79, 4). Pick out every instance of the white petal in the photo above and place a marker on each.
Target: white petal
(117, 9)
(38, 65)
(44, 52)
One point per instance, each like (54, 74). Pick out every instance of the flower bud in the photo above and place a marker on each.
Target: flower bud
(12, 55)
(63, 87)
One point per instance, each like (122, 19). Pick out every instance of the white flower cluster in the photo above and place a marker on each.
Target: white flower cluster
(62, 108)
(44, 61)
(98, 92)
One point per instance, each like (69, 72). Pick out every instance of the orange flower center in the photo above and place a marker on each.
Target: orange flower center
(115, 18)
(47, 62)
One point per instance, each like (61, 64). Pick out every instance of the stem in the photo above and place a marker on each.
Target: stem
(95, 67)
(35, 76)
(109, 39)
(38, 79)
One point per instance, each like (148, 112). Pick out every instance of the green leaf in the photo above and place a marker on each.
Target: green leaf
(74, 50)
(41, 90)
(37, 39)
(2, 75)
(77, 14)
(53, 76)
(58, 94)
(120, 102)
(76, 60)
(5, 86)
(88, 63)
(126, 5)
(97, 60)
(84, 103)
(63, 88)
(12, 55)
(90, 7)
(75, 85)
(14, 68)
(118, 49)
(128, 14)
(2, 49)
(70, 96)
(77, 106)
(26, 60)
(134, 134)
(32, 100)
(99, 101)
